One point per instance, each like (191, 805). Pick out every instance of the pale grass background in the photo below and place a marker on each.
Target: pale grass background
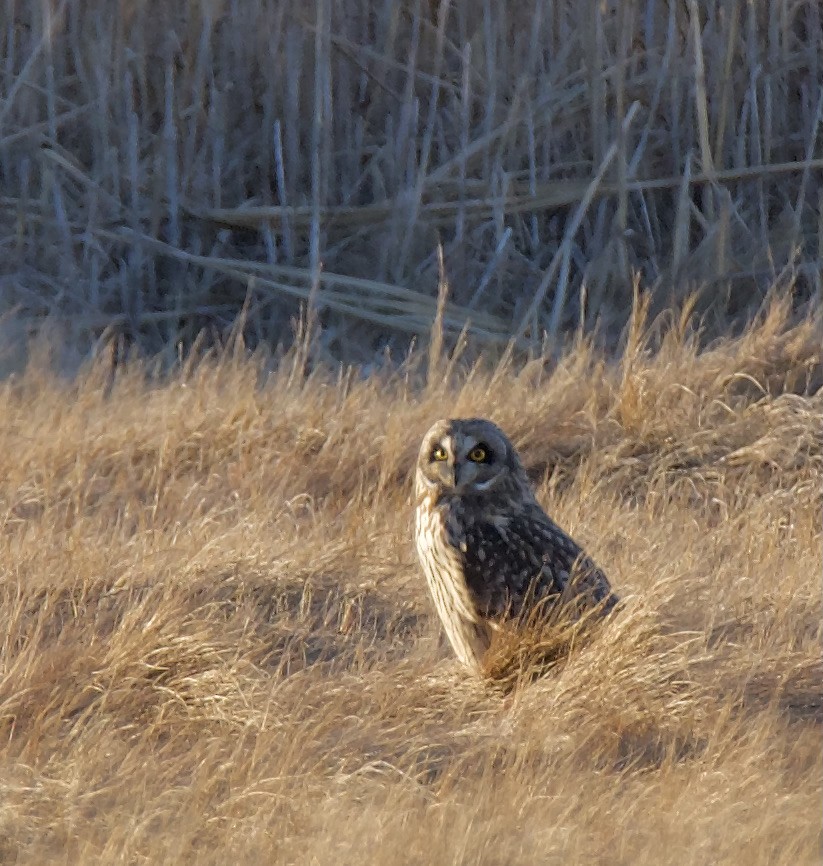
(217, 645)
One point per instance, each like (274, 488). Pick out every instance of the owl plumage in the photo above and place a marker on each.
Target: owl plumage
(489, 551)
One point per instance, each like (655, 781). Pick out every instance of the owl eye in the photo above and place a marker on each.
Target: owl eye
(479, 454)
(439, 453)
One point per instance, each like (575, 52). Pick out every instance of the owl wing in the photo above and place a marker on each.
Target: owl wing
(512, 558)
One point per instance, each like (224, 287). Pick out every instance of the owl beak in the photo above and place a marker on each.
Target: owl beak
(448, 475)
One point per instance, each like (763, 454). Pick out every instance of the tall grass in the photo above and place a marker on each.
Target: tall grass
(217, 645)
(163, 166)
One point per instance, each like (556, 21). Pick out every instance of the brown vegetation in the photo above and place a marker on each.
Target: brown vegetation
(163, 164)
(217, 646)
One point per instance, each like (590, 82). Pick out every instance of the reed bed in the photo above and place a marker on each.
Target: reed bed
(165, 167)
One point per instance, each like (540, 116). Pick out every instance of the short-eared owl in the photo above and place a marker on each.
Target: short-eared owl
(487, 547)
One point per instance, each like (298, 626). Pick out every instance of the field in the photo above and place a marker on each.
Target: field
(218, 646)
(249, 251)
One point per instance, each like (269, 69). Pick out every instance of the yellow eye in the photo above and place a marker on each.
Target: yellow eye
(478, 454)
(439, 453)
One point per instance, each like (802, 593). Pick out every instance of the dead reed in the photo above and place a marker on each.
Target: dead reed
(165, 166)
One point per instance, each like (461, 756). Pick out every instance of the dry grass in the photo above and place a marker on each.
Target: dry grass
(217, 646)
(163, 164)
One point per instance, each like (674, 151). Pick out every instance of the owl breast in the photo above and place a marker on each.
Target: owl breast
(442, 564)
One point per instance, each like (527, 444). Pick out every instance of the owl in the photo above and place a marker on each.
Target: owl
(489, 551)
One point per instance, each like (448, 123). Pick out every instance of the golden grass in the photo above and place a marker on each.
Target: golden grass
(217, 646)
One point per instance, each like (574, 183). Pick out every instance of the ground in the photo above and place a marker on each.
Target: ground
(218, 646)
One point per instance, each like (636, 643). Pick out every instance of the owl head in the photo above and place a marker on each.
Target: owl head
(468, 457)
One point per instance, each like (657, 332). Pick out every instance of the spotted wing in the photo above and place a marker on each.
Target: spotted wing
(517, 557)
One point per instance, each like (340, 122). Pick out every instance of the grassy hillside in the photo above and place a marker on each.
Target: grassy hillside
(217, 646)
